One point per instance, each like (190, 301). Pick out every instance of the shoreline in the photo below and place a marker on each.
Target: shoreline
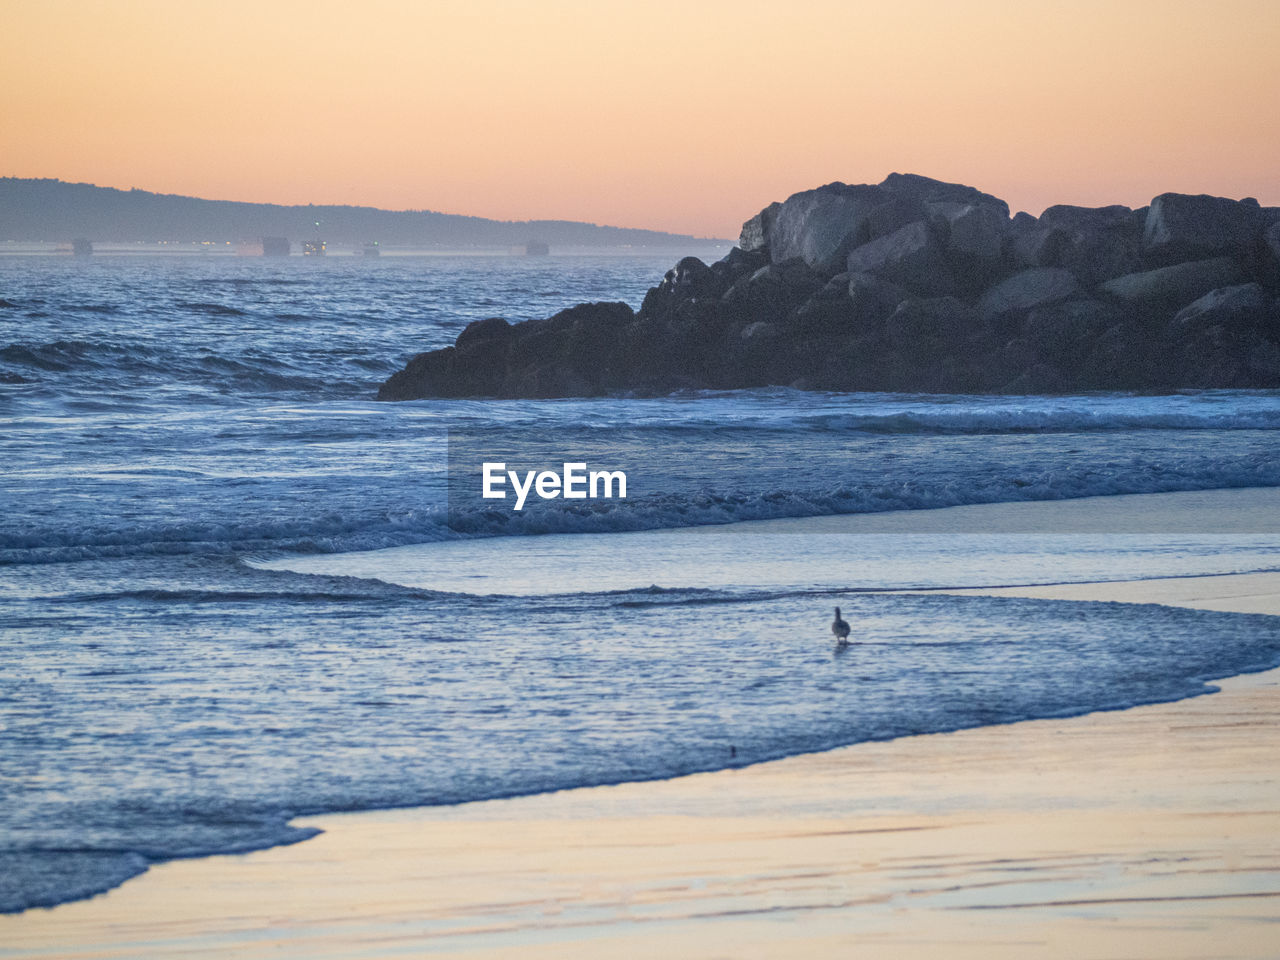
(1103, 833)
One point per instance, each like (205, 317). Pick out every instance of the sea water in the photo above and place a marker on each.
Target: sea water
(235, 589)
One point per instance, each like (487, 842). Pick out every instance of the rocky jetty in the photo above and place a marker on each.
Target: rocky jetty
(915, 285)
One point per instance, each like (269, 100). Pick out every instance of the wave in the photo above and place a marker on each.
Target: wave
(66, 355)
(127, 371)
(213, 309)
(924, 414)
(1042, 421)
(684, 510)
(44, 876)
(106, 309)
(364, 591)
(220, 761)
(338, 532)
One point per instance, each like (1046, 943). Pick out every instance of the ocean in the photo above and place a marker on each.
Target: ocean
(236, 590)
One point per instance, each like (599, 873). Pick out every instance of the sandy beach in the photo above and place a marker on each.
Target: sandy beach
(1149, 832)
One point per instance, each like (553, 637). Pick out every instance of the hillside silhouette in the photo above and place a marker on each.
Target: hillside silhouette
(53, 210)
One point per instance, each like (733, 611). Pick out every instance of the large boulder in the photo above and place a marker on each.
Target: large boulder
(930, 325)
(973, 230)
(1033, 245)
(873, 298)
(481, 331)
(1184, 227)
(1040, 377)
(755, 232)
(911, 257)
(1035, 287)
(1094, 243)
(772, 292)
(1243, 306)
(821, 226)
(1128, 356)
(1060, 329)
(425, 375)
(925, 190)
(577, 351)
(1271, 236)
(1076, 219)
(693, 278)
(1172, 287)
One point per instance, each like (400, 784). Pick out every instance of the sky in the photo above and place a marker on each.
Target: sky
(682, 116)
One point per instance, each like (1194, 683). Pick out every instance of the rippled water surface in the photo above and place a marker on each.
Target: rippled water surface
(193, 654)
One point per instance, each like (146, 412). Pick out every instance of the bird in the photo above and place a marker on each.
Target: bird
(840, 628)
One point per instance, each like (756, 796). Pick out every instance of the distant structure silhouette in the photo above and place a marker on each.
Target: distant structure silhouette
(316, 246)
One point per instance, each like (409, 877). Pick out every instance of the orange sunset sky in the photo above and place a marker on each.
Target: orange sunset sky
(677, 116)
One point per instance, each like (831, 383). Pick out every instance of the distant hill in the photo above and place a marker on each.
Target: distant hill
(52, 210)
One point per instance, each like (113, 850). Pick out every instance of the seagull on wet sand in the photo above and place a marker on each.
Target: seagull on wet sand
(840, 628)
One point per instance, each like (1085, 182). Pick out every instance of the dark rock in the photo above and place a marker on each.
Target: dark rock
(910, 257)
(1036, 287)
(494, 328)
(972, 230)
(1173, 287)
(772, 292)
(823, 318)
(1032, 244)
(1060, 330)
(575, 352)
(837, 288)
(755, 232)
(1271, 236)
(693, 278)
(1261, 361)
(1039, 378)
(1073, 219)
(425, 375)
(920, 285)
(1022, 221)
(1245, 306)
(924, 190)
(873, 298)
(1094, 243)
(848, 305)
(1129, 356)
(930, 325)
(1184, 227)
(821, 226)
(1217, 356)
(1020, 354)
(892, 215)
(739, 262)
(760, 330)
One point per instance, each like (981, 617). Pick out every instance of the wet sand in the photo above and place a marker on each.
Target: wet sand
(1149, 832)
